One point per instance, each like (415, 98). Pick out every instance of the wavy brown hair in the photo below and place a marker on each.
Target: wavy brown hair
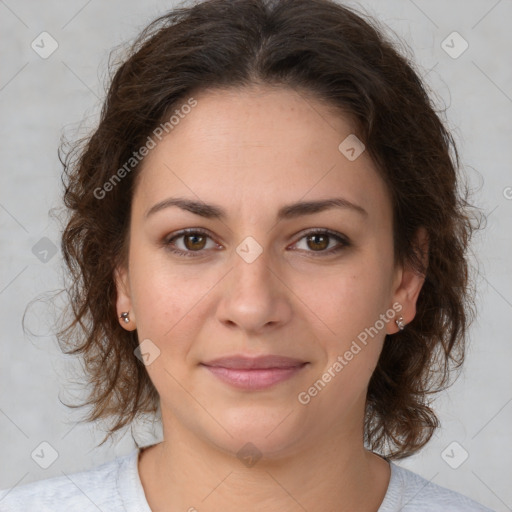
(339, 57)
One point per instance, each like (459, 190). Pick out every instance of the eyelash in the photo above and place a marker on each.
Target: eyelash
(198, 231)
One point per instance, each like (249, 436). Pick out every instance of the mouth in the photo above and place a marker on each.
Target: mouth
(254, 373)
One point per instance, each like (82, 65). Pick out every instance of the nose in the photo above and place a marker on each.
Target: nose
(255, 297)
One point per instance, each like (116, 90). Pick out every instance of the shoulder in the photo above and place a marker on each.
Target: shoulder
(86, 491)
(410, 492)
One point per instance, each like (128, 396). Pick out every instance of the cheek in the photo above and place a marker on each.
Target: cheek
(159, 296)
(167, 299)
(351, 334)
(350, 300)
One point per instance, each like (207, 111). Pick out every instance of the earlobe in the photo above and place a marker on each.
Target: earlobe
(410, 281)
(125, 313)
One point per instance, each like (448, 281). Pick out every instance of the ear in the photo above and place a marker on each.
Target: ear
(124, 301)
(408, 282)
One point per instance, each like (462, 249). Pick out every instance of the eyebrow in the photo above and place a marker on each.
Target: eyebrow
(291, 211)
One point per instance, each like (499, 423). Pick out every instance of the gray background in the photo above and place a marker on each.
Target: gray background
(42, 98)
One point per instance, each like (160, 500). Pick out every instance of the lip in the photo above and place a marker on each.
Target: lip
(254, 373)
(239, 362)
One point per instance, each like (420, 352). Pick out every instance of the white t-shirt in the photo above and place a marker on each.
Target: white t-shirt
(116, 487)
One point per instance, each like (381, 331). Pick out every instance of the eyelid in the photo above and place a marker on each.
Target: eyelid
(313, 231)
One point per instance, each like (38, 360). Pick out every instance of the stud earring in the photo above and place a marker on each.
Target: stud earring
(125, 317)
(400, 323)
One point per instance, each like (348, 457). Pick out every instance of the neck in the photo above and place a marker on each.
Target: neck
(334, 472)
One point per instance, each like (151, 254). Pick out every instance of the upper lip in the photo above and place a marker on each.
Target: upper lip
(259, 362)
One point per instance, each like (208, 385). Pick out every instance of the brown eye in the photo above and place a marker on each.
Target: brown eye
(194, 242)
(191, 242)
(318, 241)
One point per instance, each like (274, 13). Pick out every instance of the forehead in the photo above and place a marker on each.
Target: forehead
(259, 148)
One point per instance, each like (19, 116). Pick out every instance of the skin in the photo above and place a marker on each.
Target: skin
(251, 151)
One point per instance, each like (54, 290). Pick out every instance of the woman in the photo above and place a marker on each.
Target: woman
(268, 250)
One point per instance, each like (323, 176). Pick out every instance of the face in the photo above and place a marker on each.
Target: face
(258, 277)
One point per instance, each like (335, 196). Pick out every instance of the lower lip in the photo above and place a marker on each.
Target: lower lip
(253, 380)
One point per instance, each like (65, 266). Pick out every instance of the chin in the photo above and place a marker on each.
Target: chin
(271, 434)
